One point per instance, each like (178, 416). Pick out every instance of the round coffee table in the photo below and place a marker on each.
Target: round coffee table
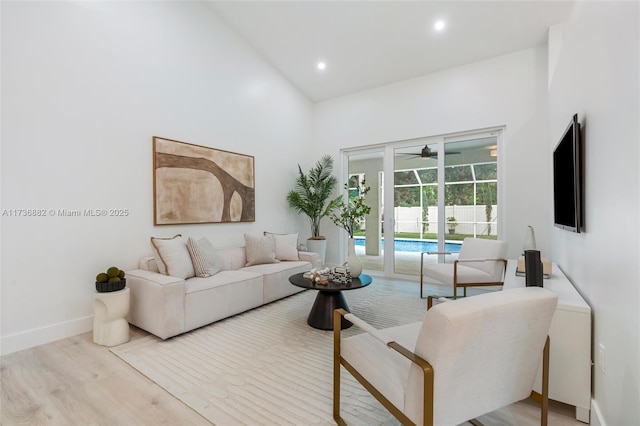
(329, 298)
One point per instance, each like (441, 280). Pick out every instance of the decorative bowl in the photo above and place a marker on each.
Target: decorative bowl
(108, 287)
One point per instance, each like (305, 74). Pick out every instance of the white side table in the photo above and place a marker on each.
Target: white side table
(110, 328)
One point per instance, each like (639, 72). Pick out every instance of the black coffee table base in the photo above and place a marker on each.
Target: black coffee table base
(321, 315)
(330, 297)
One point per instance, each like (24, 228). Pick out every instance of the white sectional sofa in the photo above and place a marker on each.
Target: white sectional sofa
(167, 305)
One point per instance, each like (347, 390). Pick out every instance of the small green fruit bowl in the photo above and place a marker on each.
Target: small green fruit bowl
(108, 287)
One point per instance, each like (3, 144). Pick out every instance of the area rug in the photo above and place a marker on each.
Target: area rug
(267, 366)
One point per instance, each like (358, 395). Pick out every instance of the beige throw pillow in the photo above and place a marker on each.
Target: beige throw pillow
(260, 250)
(172, 256)
(286, 246)
(205, 261)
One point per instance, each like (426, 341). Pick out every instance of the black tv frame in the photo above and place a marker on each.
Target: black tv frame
(568, 208)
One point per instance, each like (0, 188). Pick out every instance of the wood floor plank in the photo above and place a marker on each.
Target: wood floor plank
(76, 382)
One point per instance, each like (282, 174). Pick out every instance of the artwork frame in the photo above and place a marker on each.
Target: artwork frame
(196, 184)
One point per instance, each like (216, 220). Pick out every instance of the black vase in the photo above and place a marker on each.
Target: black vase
(532, 268)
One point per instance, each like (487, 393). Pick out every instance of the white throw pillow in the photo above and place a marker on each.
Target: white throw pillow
(260, 250)
(286, 246)
(205, 261)
(172, 256)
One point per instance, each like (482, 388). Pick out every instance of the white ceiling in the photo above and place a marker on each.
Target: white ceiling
(372, 43)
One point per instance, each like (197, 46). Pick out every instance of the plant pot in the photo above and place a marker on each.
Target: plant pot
(109, 287)
(317, 246)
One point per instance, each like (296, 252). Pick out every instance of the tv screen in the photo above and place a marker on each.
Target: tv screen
(567, 179)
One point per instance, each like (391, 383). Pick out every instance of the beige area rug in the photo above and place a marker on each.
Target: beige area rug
(268, 367)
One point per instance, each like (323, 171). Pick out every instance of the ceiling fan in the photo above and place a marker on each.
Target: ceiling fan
(427, 153)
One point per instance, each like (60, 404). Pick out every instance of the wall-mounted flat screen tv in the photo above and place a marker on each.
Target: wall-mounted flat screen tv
(567, 179)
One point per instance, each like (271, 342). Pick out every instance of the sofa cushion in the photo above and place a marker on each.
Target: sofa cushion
(260, 250)
(276, 278)
(203, 256)
(220, 296)
(172, 256)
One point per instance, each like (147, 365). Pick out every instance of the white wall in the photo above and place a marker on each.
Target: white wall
(85, 86)
(596, 76)
(506, 91)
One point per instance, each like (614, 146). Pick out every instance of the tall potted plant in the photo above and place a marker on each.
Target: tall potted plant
(312, 197)
(348, 216)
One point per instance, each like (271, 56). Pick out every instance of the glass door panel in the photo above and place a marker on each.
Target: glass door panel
(471, 195)
(415, 206)
(365, 169)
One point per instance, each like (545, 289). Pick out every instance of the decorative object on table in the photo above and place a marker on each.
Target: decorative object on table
(529, 240)
(111, 280)
(530, 244)
(312, 196)
(198, 184)
(323, 276)
(533, 268)
(347, 216)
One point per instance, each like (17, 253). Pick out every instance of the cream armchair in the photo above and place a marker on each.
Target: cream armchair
(481, 262)
(468, 357)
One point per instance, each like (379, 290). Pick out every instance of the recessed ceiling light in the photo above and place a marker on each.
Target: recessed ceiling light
(439, 25)
(321, 65)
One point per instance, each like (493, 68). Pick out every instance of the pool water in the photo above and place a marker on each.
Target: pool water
(414, 245)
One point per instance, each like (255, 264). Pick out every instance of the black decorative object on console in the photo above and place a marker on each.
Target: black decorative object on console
(533, 268)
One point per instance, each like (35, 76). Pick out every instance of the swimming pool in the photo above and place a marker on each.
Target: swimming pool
(414, 245)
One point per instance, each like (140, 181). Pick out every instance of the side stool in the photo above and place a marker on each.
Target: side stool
(110, 328)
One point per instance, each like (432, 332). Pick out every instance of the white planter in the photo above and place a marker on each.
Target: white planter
(317, 246)
(355, 266)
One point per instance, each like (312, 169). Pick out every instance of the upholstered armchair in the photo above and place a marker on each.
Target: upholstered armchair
(481, 262)
(468, 357)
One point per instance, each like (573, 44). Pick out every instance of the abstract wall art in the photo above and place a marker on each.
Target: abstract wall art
(197, 184)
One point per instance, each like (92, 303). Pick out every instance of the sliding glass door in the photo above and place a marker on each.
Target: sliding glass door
(440, 191)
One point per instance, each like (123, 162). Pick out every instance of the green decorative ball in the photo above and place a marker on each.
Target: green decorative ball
(113, 272)
(102, 278)
(114, 280)
(121, 274)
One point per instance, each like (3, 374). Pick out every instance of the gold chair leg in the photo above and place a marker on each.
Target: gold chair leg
(421, 274)
(545, 384)
(337, 323)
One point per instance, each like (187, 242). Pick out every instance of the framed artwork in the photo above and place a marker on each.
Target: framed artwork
(196, 184)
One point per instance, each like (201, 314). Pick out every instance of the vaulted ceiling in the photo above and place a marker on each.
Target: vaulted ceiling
(366, 44)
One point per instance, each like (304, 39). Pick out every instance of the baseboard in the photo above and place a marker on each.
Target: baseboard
(40, 336)
(596, 414)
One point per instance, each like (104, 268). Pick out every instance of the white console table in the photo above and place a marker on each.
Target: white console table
(570, 348)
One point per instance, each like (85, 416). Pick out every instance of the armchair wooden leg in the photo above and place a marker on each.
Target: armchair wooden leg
(543, 397)
(337, 322)
(421, 274)
(429, 302)
(545, 384)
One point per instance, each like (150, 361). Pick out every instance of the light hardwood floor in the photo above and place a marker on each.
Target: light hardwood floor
(76, 382)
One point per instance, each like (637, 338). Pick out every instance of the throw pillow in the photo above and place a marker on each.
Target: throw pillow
(260, 250)
(172, 256)
(203, 256)
(286, 246)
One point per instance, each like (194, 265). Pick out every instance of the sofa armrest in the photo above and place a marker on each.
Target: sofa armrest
(157, 302)
(311, 257)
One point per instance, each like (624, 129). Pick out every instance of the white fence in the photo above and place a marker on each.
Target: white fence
(472, 220)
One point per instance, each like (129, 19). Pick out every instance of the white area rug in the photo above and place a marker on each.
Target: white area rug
(267, 366)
